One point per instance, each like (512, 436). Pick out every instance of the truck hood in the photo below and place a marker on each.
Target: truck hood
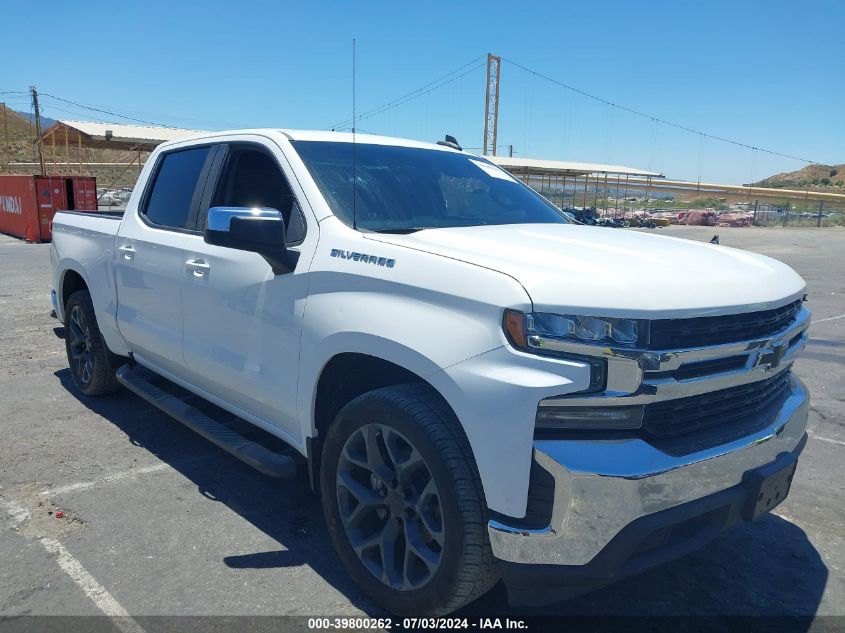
(613, 272)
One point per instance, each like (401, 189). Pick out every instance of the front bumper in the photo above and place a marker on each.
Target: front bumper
(611, 495)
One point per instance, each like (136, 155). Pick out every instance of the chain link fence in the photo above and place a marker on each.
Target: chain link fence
(589, 199)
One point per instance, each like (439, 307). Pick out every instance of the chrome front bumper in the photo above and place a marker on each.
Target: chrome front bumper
(602, 486)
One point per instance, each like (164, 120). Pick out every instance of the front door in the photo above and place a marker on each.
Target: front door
(243, 322)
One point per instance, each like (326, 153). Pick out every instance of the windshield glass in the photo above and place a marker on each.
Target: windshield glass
(404, 189)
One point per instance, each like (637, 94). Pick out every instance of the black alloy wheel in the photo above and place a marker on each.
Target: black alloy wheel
(390, 507)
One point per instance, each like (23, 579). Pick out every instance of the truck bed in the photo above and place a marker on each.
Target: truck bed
(93, 222)
(85, 242)
(112, 215)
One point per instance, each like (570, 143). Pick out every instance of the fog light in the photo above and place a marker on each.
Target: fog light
(592, 418)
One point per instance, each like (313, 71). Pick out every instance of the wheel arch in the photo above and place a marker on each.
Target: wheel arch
(71, 281)
(72, 276)
(344, 377)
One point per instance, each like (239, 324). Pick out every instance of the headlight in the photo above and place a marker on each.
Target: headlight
(538, 329)
(586, 329)
(520, 330)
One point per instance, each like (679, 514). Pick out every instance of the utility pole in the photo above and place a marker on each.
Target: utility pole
(35, 109)
(491, 104)
(6, 160)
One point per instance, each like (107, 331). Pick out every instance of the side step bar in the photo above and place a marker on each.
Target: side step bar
(257, 456)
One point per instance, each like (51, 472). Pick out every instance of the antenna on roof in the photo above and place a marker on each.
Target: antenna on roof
(354, 170)
(452, 142)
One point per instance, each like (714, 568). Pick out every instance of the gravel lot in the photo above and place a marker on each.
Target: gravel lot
(159, 522)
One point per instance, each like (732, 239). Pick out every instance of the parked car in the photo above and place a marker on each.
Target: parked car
(478, 388)
(110, 199)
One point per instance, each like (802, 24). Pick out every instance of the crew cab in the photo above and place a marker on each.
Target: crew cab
(478, 387)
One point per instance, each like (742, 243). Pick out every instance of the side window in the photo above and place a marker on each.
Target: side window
(169, 202)
(251, 178)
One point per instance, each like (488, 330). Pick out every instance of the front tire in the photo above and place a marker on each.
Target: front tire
(403, 502)
(92, 366)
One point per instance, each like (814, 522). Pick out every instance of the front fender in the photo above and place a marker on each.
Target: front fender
(352, 342)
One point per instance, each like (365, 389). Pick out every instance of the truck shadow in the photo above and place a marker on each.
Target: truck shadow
(766, 569)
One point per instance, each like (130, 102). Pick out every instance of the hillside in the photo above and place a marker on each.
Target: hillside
(20, 134)
(21, 149)
(28, 116)
(813, 177)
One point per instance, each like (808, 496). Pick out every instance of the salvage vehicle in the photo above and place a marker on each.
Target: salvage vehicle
(477, 387)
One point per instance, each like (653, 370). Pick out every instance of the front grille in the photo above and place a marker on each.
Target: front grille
(715, 330)
(723, 408)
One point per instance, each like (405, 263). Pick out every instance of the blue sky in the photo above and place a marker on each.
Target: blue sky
(766, 73)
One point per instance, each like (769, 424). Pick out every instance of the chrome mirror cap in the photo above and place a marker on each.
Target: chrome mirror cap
(220, 218)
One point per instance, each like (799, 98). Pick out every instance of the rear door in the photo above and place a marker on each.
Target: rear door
(242, 322)
(150, 260)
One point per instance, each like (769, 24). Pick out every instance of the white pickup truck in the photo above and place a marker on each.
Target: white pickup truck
(478, 387)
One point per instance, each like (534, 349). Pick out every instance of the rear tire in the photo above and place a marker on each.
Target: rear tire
(92, 365)
(424, 492)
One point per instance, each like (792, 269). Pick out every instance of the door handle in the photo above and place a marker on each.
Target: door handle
(197, 266)
(127, 251)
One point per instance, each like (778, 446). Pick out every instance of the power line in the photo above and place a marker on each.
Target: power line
(92, 108)
(50, 107)
(419, 92)
(102, 108)
(655, 118)
(427, 88)
(114, 113)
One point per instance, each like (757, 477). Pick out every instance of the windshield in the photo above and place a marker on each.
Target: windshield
(404, 189)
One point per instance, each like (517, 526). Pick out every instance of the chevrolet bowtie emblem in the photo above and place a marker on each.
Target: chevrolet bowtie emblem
(770, 357)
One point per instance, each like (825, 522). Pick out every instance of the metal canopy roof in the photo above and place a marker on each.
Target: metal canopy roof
(113, 135)
(142, 137)
(534, 166)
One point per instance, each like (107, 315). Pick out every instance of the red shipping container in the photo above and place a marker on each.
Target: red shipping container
(28, 203)
(85, 193)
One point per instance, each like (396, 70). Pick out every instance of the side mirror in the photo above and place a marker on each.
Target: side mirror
(256, 230)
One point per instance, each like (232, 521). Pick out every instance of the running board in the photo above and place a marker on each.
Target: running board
(255, 455)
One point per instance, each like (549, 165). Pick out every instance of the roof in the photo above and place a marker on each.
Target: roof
(346, 137)
(565, 167)
(120, 136)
